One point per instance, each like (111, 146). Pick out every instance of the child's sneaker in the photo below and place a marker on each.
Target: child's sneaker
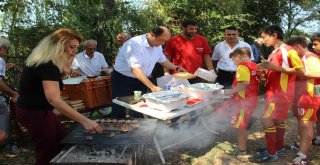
(14, 149)
(293, 147)
(316, 141)
(299, 161)
(11, 149)
(264, 156)
(282, 152)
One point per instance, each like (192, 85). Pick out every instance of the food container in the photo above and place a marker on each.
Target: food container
(94, 92)
(166, 100)
(205, 74)
(202, 90)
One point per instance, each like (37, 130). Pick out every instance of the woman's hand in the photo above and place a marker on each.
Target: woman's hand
(91, 126)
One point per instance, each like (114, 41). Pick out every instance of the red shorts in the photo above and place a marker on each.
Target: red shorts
(305, 114)
(241, 119)
(305, 107)
(278, 111)
(239, 111)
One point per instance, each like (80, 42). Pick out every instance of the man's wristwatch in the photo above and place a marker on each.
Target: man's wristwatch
(177, 68)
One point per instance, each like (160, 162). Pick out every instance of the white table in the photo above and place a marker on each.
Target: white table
(167, 115)
(170, 115)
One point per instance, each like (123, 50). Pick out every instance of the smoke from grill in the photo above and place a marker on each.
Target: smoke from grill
(199, 131)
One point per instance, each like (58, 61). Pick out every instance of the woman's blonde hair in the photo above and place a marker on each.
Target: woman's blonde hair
(52, 48)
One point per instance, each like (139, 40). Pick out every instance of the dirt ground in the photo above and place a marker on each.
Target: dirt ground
(212, 154)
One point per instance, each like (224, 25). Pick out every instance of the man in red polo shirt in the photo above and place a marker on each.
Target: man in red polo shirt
(189, 49)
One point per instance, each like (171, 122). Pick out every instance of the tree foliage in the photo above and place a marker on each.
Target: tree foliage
(301, 13)
(212, 16)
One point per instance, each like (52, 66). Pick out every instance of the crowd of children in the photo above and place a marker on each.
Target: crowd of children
(290, 66)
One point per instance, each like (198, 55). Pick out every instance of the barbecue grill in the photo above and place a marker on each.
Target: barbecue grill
(124, 147)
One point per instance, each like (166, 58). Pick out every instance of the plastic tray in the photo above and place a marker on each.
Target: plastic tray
(195, 90)
(166, 100)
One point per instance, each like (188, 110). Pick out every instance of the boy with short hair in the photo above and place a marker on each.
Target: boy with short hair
(283, 65)
(315, 42)
(305, 103)
(245, 96)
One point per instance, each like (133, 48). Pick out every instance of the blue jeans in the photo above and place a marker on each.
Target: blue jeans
(4, 116)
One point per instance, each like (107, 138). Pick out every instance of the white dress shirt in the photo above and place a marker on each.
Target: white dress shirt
(89, 67)
(136, 52)
(222, 52)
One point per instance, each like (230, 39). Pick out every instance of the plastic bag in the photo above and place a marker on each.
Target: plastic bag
(168, 79)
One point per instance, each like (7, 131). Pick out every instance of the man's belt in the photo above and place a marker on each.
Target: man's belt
(227, 71)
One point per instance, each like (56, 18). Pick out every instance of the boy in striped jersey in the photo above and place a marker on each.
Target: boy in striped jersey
(283, 65)
(305, 103)
(244, 97)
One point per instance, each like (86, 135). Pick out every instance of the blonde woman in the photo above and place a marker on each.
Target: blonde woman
(40, 86)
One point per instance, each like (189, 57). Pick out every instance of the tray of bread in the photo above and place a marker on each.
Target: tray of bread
(184, 75)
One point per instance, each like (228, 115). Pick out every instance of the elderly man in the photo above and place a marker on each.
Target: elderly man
(4, 89)
(189, 49)
(220, 56)
(89, 63)
(134, 64)
(122, 37)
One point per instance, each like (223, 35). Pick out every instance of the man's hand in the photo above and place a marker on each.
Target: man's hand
(218, 92)
(213, 72)
(74, 73)
(156, 89)
(10, 65)
(180, 69)
(214, 75)
(14, 98)
(266, 64)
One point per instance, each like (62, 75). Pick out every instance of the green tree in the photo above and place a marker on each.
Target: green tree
(212, 16)
(264, 12)
(303, 13)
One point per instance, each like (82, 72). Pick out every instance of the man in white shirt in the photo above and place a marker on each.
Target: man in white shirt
(89, 63)
(4, 90)
(223, 65)
(134, 64)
